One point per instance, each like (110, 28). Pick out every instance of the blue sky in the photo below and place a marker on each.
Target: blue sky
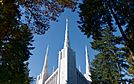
(54, 37)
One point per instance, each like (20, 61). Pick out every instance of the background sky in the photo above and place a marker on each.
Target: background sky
(54, 37)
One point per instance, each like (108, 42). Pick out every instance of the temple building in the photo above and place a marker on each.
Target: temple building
(67, 72)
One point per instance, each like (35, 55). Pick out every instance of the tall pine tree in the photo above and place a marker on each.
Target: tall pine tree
(15, 46)
(95, 14)
(109, 65)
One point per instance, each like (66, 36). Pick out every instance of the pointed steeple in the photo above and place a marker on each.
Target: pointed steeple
(87, 62)
(87, 74)
(45, 67)
(44, 74)
(66, 43)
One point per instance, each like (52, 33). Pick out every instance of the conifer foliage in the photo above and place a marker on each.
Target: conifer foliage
(109, 65)
(96, 15)
(15, 46)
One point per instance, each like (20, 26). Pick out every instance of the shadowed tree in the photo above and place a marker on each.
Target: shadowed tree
(96, 14)
(110, 65)
(15, 46)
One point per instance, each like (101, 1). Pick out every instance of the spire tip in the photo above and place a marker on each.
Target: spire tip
(66, 43)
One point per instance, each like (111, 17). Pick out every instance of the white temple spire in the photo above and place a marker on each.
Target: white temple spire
(66, 43)
(45, 68)
(88, 73)
(87, 62)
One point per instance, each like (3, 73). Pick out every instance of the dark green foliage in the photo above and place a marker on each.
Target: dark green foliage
(15, 46)
(15, 52)
(97, 14)
(109, 65)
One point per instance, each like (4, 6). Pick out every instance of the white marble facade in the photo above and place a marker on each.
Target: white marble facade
(66, 73)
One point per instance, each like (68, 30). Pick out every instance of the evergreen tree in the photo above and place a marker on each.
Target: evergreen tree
(96, 14)
(15, 52)
(15, 46)
(109, 65)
